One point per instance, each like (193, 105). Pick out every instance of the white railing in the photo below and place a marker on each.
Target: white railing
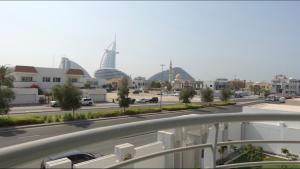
(17, 154)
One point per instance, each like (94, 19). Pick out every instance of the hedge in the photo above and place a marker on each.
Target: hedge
(18, 120)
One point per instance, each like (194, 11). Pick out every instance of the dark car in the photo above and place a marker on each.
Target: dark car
(136, 92)
(74, 156)
(153, 100)
(131, 101)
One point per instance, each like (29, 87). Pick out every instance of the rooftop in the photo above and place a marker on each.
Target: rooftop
(27, 69)
(75, 72)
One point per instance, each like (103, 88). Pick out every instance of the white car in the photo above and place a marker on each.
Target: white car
(53, 103)
(86, 101)
(281, 100)
(142, 101)
(176, 94)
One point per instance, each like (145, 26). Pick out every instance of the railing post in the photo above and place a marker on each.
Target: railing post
(214, 145)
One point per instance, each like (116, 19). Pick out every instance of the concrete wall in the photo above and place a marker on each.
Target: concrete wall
(25, 96)
(273, 130)
(98, 95)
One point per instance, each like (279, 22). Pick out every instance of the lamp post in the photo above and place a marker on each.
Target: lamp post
(161, 82)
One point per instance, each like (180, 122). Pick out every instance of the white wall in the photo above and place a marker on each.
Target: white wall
(273, 130)
(98, 95)
(25, 96)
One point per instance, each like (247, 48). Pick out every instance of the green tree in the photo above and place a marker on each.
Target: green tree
(87, 86)
(68, 96)
(6, 79)
(186, 94)
(168, 86)
(123, 92)
(207, 95)
(266, 92)
(155, 84)
(225, 95)
(256, 89)
(6, 94)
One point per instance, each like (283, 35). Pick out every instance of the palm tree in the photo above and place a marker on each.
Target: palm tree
(6, 79)
(6, 94)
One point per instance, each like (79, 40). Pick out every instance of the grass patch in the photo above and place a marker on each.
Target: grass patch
(19, 120)
(267, 158)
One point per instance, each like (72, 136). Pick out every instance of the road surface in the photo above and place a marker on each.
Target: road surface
(46, 109)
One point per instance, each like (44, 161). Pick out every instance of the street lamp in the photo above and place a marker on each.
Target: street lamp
(161, 80)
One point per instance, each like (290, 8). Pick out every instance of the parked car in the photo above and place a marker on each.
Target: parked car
(74, 156)
(131, 101)
(86, 101)
(153, 100)
(282, 100)
(176, 94)
(136, 92)
(142, 101)
(54, 103)
(275, 99)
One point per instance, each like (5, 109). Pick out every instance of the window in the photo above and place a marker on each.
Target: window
(73, 80)
(26, 79)
(56, 79)
(46, 79)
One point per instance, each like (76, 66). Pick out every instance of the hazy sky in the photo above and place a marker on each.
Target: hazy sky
(252, 40)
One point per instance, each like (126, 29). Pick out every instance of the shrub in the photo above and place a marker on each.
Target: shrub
(57, 118)
(186, 94)
(49, 119)
(225, 95)
(207, 95)
(80, 116)
(68, 117)
(110, 114)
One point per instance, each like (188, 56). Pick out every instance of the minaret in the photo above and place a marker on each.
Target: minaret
(170, 72)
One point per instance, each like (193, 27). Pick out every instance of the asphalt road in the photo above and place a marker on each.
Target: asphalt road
(16, 136)
(46, 109)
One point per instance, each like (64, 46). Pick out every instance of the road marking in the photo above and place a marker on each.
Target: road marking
(24, 137)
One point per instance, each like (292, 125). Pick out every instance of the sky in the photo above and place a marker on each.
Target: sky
(248, 40)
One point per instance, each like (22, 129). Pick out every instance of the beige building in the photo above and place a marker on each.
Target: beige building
(179, 83)
(116, 82)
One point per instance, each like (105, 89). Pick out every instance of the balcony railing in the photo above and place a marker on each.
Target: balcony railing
(10, 156)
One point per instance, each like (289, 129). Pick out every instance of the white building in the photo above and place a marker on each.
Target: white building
(209, 84)
(139, 82)
(46, 78)
(285, 86)
(221, 83)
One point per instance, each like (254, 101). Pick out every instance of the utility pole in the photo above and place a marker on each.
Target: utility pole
(161, 85)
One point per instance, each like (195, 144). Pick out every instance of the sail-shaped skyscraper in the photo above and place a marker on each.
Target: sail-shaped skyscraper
(108, 68)
(109, 57)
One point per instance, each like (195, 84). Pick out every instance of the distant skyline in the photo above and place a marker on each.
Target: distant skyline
(250, 40)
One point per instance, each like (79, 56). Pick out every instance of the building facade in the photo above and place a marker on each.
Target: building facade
(221, 84)
(237, 84)
(179, 83)
(283, 85)
(139, 82)
(46, 78)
